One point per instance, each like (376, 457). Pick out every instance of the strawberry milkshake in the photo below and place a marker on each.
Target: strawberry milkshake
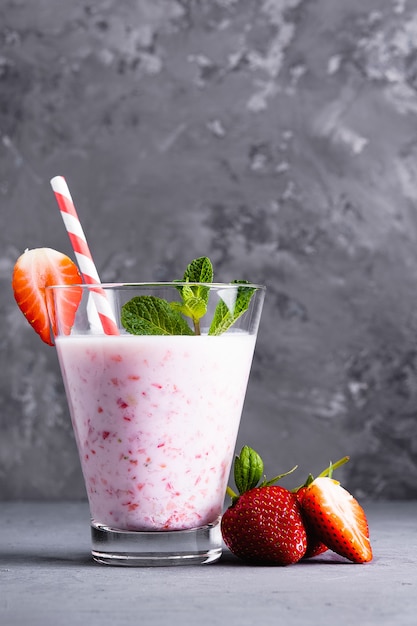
(155, 420)
(155, 402)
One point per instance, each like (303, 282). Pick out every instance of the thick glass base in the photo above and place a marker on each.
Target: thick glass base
(156, 548)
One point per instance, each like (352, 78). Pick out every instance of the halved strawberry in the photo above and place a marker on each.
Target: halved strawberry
(314, 544)
(37, 269)
(337, 519)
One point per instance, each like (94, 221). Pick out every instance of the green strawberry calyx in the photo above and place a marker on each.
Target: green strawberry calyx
(328, 471)
(248, 470)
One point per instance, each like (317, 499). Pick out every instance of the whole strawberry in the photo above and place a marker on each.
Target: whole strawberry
(264, 524)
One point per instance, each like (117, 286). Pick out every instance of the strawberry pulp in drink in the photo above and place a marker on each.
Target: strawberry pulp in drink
(155, 420)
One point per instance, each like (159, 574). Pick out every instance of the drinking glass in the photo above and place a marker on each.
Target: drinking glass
(155, 418)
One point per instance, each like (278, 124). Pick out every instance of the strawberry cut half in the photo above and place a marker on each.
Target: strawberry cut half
(338, 519)
(37, 269)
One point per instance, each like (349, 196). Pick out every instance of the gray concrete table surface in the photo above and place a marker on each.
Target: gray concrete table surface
(48, 577)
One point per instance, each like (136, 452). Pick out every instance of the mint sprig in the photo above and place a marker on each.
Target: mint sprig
(149, 315)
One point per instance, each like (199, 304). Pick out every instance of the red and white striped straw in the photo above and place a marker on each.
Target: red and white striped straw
(83, 254)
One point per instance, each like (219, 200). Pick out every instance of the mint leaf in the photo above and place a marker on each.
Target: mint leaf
(195, 296)
(226, 314)
(248, 469)
(192, 307)
(149, 315)
(199, 271)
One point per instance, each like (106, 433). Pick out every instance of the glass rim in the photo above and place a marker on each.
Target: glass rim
(127, 285)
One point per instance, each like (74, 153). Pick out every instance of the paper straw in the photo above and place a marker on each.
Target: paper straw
(83, 254)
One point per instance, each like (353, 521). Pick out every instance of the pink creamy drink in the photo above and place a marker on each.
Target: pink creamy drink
(156, 420)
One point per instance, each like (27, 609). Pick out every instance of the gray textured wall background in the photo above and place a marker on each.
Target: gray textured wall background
(279, 137)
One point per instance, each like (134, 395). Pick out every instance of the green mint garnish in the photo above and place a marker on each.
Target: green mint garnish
(195, 297)
(149, 315)
(226, 314)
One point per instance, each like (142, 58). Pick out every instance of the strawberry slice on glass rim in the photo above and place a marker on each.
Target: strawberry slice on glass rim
(37, 269)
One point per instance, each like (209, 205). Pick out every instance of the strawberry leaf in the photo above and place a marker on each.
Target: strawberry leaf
(268, 483)
(332, 466)
(248, 469)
